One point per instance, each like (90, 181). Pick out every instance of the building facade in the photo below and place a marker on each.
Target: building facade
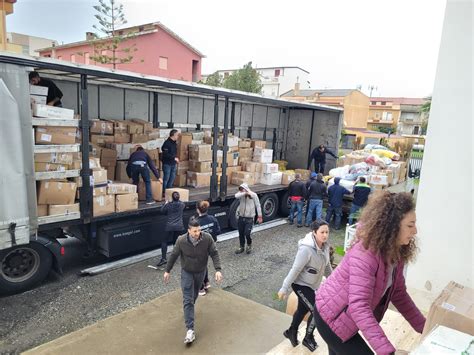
(159, 51)
(276, 80)
(30, 45)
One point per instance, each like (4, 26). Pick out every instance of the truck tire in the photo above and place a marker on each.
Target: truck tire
(270, 204)
(233, 219)
(285, 205)
(23, 267)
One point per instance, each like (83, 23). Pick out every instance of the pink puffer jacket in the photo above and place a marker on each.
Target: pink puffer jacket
(350, 299)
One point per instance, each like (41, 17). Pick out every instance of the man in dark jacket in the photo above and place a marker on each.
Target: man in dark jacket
(54, 94)
(336, 195)
(361, 196)
(297, 194)
(316, 192)
(194, 249)
(138, 165)
(170, 159)
(319, 157)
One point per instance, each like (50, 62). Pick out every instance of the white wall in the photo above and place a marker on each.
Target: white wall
(290, 77)
(445, 195)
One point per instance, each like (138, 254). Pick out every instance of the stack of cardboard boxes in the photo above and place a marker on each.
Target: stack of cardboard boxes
(200, 165)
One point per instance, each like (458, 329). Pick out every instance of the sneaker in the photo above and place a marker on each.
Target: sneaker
(202, 292)
(249, 249)
(152, 202)
(292, 335)
(240, 250)
(290, 222)
(190, 336)
(207, 286)
(299, 225)
(309, 342)
(162, 262)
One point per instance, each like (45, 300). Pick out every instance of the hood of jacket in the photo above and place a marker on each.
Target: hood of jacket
(245, 187)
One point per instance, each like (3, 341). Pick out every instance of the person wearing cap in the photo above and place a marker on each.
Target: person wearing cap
(312, 177)
(316, 193)
(54, 94)
(138, 165)
(248, 204)
(361, 196)
(297, 194)
(336, 194)
(319, 157)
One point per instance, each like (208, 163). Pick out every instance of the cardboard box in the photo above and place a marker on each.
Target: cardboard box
(269, 168)
(232, 169)
(287, 178)
(245, 143)
(232, 141)
(200, 166)
(101, 127)
(42, 167)
(305, 174)
(122, 138)
(94, 151)
(156, 190)
(41, 210)
(240, 177)
(38, 100)
(378, 179)
(243, 161)
(147, 126)
(55, 210)
(198, 179)
(110, 172)
(126, 202)
(165, 132)
(99, 176)
(444, 340)
(258, 144)
(454, 308)
(56, 193)
(108, 157)
(56, 158)
(154, 134)
(55, 135)
(38, 90)
(120, 126)
(138, 138)
(121, 188)
(201, 152)
(134, 128)
(103, 205)
(262, 155)
(101, 140)
(271, 179)
(180, 180)
(99, 191)
(184, 140)
(121, 171)
(253, 167)
(94, 164)
(246, 152)
(183, 167)
(47, 111)
(183, 194)
(153, 153)
(155, 143)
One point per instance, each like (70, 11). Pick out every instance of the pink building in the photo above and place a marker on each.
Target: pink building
(159, 52)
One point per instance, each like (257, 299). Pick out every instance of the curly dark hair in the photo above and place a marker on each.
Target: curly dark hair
(379, 226)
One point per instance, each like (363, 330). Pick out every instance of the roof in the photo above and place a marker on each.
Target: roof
(262, 68)
(400, 100)
(156, 24)
(368, 131)
(149, 82)
(322, 93)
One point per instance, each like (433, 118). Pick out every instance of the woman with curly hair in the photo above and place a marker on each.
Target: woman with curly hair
(370, 276)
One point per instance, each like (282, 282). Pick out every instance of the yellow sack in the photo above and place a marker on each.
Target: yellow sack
(386, 154)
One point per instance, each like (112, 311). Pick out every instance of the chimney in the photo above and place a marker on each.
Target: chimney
(90, 36)
(297, 90)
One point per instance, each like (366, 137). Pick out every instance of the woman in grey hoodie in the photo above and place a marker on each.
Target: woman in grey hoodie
(311, 263)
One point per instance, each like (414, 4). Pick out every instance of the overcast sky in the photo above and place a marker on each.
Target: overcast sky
(391, 44)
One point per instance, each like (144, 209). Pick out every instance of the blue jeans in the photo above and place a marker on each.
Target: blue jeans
(337, 211)
(314, 204)
(136, 171)
(297, 206)
(169, 174)
(352, 213)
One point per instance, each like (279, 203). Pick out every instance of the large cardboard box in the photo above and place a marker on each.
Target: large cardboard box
(37, 99)
(271, 179)
(108, 157)
(99, 191)
(38, 90)
(121, 188)
(261, 155)
(253, 167)
(246, 152)
(258, 144)
(378, 179)
(63, 209)
(56, 158)
(200, 166)
(245, 143)
(126, 202)
(287, 177)
(138, 138)
(198, 179)
(56, 193)
(156, 190)
(270, 168)
(240, 177)
(41, 167)
(154, 133)
(41, 210)
(94, 164)
(183, 194)
(153, 153)
(120, 126)
(232, 141)
(444, 340)
(122, 138)
(94, 151)
(147, 126)
(101, 140)
(154, 143)
(55, 135)
(180, 180)
(184, 140)
(134, 128)
(305, 174)
(454, 308)
(101, 127)
(232, 169)
(121, 171)
(47, 111)
(201, 152)
(182, 167)
(110, 172)
(103, 205)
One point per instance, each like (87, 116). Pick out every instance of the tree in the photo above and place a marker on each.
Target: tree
(110, 16)
(425, 111)
(245, 79)
(214, 79)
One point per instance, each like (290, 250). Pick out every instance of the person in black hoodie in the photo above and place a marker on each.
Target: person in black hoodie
(319, 157)
(336, 194)
(209, 224)
(137, 166)
(297, 194)
(361, 196)
(174, 224)
(316, 192)
(170, 159)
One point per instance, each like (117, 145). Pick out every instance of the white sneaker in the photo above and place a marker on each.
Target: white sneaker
(202, 292)
(190, 336)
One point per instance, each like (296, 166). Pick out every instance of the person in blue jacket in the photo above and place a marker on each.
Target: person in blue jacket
(209, 224)
(336, 195)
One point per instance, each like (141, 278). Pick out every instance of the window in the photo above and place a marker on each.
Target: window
(226, 74)
(103, 52)
(386, 116)
(47, 56)
(383, 103)
(373, 103)
(87, 58)
(163, 63)
(416, 130)
(60, 57)
(73, 58)
(277, 73)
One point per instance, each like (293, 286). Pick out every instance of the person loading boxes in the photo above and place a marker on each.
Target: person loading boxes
(54, 94)
(138, 164)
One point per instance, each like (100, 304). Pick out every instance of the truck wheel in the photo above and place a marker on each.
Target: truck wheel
(269, 203)
(233, 219)
(285, 205)
(23, 267)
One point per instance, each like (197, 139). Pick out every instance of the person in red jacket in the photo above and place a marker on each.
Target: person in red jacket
(370, 277)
